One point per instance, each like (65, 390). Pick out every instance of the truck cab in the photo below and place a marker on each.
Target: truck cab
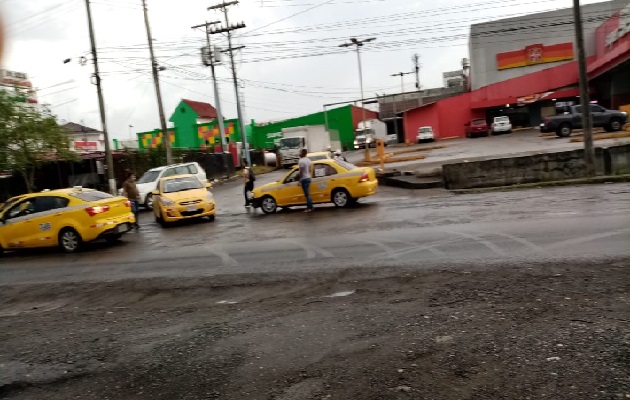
(289, 149)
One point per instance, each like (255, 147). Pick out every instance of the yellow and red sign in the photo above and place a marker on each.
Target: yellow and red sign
(153, 140)
(535, 54)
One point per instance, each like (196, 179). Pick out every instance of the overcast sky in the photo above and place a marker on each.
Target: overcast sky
(291, 64)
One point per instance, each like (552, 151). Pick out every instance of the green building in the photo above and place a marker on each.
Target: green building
(195, 127)
(340, 121)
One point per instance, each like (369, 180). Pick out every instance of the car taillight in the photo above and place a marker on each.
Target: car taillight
(364, 178)
(96, 210)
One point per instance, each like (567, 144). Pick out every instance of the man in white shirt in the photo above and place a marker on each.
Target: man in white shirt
(305, 178)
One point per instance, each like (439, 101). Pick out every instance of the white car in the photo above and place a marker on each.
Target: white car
(501, 125)
(425, 134)
(149, 181)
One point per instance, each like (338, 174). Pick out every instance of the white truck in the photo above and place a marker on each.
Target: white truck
(314, 138)
(368, 131)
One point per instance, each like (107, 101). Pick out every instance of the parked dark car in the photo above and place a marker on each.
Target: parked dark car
(563, 124)
(476, 127)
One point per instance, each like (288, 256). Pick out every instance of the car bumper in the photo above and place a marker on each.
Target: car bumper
(110, 227)
(506, 128)
(177, 213)
(364, 189)
(256, 202)
(425, 137)
(544, 128)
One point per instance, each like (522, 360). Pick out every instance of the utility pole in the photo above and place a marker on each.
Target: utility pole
(416, 64)
(402, 83)
(228, 29)
(587, 121)
(359, 44)
(109, 160)
(210, 57)
(156, 82)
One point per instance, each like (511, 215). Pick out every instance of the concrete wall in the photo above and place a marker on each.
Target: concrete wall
(490, 38)
(517, 170)
(617, 160)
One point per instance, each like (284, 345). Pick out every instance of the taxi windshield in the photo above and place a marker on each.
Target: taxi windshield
(181, 184)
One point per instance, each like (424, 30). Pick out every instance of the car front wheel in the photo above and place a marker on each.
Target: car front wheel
(148, 202)
(268, 205)
(615, 125)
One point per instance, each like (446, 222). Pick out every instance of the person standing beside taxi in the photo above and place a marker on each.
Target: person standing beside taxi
(130, 191)
(305, 178)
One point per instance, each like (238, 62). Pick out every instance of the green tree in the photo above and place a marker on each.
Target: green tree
(30, 139)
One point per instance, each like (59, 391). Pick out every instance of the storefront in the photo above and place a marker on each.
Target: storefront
(529, 81)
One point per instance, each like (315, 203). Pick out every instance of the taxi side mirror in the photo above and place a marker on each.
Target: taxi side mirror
(208, 185)
(155, 193)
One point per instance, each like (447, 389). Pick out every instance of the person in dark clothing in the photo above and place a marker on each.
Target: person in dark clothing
(130, 191)
(249, 178)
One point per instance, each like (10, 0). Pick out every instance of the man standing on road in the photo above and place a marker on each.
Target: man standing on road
(249, 177)
(130, 191)
(305, 178)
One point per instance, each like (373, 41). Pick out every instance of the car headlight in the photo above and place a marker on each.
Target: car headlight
(209, 196)
(166, 202)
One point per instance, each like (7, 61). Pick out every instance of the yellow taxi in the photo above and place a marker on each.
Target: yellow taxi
(333, 181)
(319, 155)
(181, 197)
(66, 218)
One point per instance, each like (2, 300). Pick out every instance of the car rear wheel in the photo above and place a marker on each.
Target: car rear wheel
(113, 238)
(69, 240)
(564, 130)
(341, 198)
(268, 205)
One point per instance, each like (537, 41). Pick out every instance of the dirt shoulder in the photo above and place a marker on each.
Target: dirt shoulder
(557, 331)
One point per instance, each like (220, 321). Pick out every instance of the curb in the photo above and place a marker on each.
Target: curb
(568, 182)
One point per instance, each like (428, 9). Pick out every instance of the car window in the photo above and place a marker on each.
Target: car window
(149, 176)
(91, 195)
(192, 169)
(46, 203)
(317, 157)
(321, 170)
(578, 109)
(501, 119)
(169, 172)
(293, 176)
(21, 209)
(181, 170)
(479, 122)
(596, 108)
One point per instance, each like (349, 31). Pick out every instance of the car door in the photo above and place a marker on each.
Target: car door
(323, 183)
(576, 120)
(31, 223)
(599, 117)
(290, 192)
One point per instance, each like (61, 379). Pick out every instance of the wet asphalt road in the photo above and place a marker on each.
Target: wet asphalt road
(395, 227)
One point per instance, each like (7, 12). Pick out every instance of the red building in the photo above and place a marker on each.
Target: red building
(537, 77)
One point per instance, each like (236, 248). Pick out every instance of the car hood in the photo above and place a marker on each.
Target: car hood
(267, 187)
(197, 194)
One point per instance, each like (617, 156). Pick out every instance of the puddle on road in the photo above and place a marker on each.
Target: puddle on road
(342, 294)
(226, 302)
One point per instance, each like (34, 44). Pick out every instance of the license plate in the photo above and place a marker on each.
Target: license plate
(122, 228)
(191, 208)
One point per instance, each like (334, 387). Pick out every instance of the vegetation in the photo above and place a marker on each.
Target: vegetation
(30, 138)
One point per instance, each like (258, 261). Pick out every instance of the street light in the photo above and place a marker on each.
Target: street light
(358, 44)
